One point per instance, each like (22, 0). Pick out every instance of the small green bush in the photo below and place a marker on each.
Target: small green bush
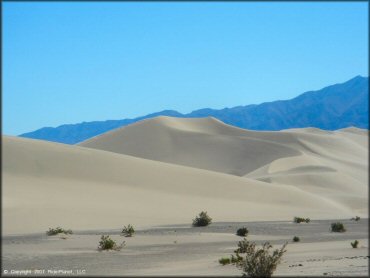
(234, 259)
(128, 231)
(106, 243)
(354, 244)
(296, 239)
(224, 261)
(202, 220)
(337, 227)
(242, 232)
(58, 230)
(301, 219)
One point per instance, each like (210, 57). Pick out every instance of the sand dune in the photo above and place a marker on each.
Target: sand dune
(274, 176)
(48, 184)
(201, 143)
(330, 164)
(209, 144)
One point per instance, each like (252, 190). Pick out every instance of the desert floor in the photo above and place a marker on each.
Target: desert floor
(182, 250)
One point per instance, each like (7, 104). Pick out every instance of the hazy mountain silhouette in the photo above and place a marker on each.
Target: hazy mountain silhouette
(333, 107)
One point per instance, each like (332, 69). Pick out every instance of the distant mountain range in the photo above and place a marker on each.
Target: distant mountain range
(333, 107)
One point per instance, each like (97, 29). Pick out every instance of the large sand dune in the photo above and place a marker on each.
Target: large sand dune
(331, 164)
(209, 144)
(277, 175)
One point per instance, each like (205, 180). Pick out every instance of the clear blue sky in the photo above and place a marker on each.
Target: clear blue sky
(73, 62)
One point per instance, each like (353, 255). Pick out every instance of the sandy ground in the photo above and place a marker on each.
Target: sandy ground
(183, 250)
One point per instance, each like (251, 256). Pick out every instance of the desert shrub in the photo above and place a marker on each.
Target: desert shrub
(106, 243)
(260, 262)
(242, 232)
(354, 244)
(255, 262)
(128, 231)
(243, 246)
(301, 219)
(58, 230)
(296, 239)
(236, 259)
(357, 218)
(337, 227)
(224, 261)
(202, 220)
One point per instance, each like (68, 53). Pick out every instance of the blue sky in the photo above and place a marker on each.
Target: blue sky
(73, 62)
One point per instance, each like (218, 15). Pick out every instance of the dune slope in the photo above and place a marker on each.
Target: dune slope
(204, 143)
(49, 184)
(209, 144)
(331, 164)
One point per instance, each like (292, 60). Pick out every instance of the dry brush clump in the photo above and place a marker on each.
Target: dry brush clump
(354, 244)
(128, 231)
(106, 243)
(337, 227)
(202, 220)
(242, 232)
(255, 262)
(58, 230)
(301, 219)
(357, 218)
(260, 262)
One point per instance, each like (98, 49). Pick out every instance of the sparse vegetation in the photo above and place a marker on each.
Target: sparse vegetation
(357, 218)
(58, 230)
(106, 243)
(236, 259)
(301, 219)
(128, 231)
(296, 239)
(259, 262)
(337, 227)
(202, 220)
(224, 261)
(242, 232)
(354, 244)
(243, 246)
